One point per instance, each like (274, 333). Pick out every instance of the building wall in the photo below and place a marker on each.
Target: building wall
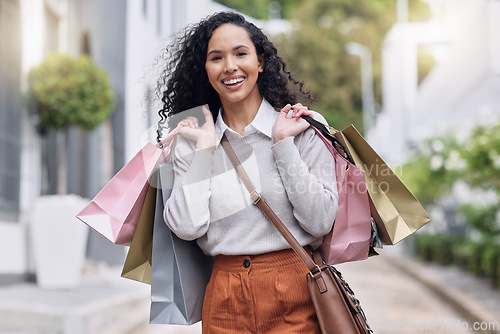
(75, 27)
(147, 27)
(125, 38)
(15, 57)
(98, 28)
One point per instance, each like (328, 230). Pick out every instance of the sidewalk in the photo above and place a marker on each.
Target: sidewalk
(398, 295)
(474, 298)
(402, 295)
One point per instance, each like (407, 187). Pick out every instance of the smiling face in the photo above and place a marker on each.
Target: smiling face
(233, 65)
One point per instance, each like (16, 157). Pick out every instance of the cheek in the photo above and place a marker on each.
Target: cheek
(212, 72)
(252, 67)
(207, 69)
(212, 75)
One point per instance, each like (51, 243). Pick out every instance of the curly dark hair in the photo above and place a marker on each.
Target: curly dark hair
(184, 83)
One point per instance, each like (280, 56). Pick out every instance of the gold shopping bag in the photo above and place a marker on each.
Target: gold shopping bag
(137, 265)
(396, 211)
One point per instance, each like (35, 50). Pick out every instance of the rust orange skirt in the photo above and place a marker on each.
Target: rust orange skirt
(264, 293)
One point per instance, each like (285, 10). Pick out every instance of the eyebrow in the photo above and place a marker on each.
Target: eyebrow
(234, 48)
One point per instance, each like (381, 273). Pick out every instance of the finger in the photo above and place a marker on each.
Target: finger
(189, 122)
(188, 132)
(184, 123)
(299, 106)
(303, 123)
(193, 121)
(209, 118)
(284, 111)
(302, 112)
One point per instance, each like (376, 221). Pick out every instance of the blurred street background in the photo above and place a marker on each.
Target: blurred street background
(419, 78)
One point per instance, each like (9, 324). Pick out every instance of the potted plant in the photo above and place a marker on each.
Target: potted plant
(65, 91)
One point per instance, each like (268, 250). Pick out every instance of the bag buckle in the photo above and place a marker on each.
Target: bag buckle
(318, 278)
(255, 197)
(311, 272)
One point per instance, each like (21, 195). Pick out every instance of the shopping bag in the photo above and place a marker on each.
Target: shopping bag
(137, 265)
(114, 211)
(350, 238)
(396, 211)
(180, 270)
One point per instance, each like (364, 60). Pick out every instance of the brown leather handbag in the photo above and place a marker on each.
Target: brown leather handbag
(337, 309)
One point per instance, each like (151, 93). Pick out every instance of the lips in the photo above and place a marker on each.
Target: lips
(233, 82)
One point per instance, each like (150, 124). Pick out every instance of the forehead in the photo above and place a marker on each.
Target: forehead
(227, 36)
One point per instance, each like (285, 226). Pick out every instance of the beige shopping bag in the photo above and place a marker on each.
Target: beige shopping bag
(137, 265)
(397, 212)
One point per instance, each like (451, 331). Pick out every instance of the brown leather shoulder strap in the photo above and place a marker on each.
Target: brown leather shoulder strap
(266, 209)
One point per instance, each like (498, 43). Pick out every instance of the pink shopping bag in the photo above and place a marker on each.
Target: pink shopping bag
(350, 238)
(115, 210)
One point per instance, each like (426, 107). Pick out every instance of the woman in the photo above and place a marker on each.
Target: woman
(258, 283)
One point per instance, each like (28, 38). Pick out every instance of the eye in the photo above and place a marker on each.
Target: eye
(241, 54)
(215, 58)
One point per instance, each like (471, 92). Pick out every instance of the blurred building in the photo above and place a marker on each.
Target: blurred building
(462, 89)
(125, 38)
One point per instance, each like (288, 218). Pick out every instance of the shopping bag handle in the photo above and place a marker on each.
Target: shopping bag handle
(320, 125)
(329, 133)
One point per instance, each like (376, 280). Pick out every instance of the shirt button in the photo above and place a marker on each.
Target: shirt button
(246, 263)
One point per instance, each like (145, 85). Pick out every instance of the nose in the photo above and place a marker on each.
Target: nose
(230, 65)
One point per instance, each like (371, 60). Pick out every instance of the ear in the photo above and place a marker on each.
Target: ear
(261, 63)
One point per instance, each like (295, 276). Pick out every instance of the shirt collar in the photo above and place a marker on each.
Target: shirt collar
(263, 122)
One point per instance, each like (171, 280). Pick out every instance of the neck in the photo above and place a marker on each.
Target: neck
(238, 115)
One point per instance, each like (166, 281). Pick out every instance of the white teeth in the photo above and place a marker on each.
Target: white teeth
(233, 81)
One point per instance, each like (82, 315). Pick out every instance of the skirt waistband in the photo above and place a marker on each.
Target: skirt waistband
(260, 261)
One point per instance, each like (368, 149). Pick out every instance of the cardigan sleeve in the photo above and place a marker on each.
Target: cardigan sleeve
(307, 170)
(187, 211)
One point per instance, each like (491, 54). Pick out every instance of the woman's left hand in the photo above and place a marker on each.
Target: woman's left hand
(287, 127)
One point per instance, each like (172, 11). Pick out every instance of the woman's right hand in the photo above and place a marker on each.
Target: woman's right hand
(205, 136)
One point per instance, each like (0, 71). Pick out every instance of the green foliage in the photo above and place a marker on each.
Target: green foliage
(434, 169)
(475, 263)
(254, 8)
(316, 53)
(70, 91)
(288, 7)
(423, 246)
(481, 258)
(462, 253)
(482, 151)
(440, 162)
(483, 219)
(437, 247)
(259, 9)
(431, 173)
(490, 262)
